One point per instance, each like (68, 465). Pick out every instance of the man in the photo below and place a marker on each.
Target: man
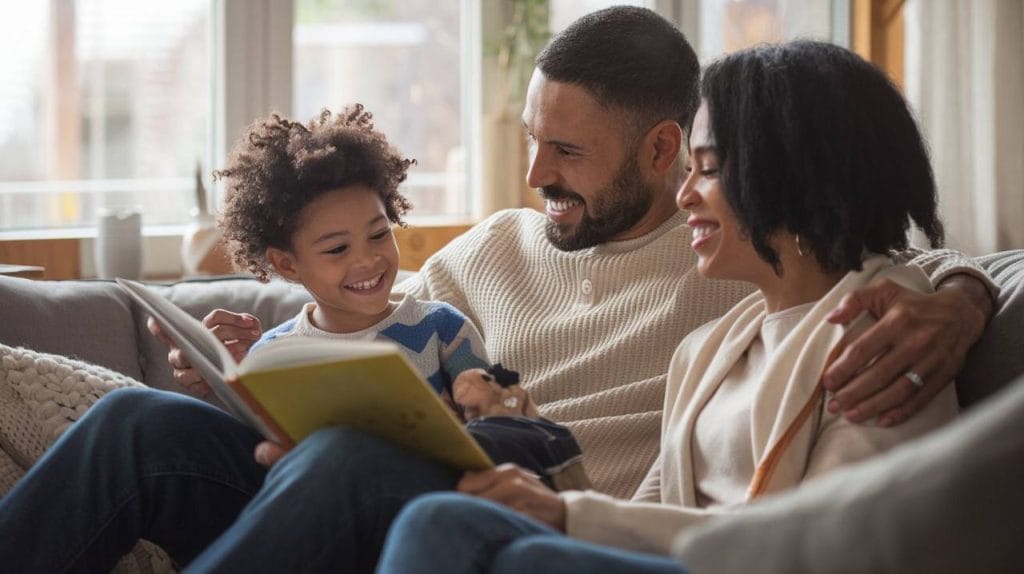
(589, 302)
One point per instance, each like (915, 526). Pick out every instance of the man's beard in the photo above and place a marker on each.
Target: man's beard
(615, 209)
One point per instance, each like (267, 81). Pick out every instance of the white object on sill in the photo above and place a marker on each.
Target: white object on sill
(199, 241)
(118, 247)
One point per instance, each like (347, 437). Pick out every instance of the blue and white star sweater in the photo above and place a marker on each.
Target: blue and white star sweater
(438, 339)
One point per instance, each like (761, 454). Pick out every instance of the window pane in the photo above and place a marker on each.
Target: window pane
(565, 12)
(104, 104)
(401, 60)
(730, 25)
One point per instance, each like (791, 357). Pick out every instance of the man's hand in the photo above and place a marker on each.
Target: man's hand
(238, 331)
(519, 490)
(926, 334)
(268, 453)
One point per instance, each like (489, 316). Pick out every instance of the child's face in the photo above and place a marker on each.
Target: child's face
(345, 255)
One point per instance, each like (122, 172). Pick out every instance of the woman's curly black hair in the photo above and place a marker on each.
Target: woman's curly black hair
(814, 140)
(279, 166)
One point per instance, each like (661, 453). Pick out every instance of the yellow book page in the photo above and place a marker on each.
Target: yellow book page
(380, 395)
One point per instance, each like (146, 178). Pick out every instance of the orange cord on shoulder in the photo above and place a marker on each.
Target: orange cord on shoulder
(764, 471)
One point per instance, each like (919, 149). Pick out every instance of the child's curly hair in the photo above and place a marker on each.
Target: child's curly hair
(279, 166)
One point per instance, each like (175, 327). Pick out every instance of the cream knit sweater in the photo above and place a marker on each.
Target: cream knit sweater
(591, 331)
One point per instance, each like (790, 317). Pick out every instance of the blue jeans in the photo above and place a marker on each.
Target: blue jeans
(538, 445)
(176, 471)
(458, 534)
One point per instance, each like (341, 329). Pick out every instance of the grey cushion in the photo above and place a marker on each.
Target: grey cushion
(95, 322)
(998, 357)
(86, 320)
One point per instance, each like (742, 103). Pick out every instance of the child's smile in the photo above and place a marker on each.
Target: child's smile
(345, 255)
(366, 285)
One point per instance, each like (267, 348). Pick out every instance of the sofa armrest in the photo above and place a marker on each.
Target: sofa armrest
(998, 356)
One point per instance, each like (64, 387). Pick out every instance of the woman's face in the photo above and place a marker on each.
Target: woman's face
(722, 250)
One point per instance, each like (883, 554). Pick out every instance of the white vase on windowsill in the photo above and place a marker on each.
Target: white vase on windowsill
(118, 246)
(202, 251)
(200, 245)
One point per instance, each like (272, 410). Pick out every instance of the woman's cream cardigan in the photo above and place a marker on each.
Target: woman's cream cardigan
(794, 437)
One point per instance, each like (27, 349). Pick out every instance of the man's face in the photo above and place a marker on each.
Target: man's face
(583, 163)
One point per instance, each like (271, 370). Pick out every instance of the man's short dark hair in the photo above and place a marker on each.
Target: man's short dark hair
(816, 141)
(629, 59)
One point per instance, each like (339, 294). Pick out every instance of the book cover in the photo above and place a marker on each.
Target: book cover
(292, 387)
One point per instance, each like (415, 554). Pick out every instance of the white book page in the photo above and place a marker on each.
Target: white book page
(293, 351)
(206, 353)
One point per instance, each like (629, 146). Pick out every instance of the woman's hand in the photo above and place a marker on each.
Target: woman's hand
(924, 334)
(519, 490)
(238, 331)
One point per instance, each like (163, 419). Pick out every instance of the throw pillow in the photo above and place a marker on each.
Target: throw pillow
(54, 392)
(41, 395)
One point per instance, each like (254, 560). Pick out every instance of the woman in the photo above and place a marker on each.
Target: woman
(805, 168)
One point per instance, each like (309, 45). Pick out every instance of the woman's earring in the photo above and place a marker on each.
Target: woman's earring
(511, 402)
(799, 249)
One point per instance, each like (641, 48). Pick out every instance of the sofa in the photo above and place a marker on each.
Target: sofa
(73, 342)
(92, 321)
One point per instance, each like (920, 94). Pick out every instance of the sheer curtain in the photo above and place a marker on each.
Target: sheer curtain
(965, 79)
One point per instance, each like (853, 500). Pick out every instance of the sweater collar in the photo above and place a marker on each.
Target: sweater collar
(612, 247)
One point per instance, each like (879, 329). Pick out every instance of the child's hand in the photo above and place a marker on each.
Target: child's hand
(268, 453)
(184, 375)
(237, 331)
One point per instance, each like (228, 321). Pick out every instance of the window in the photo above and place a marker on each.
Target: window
(729, 25)
(112, 103)
(402, 60)
(105, 103)
(564, 12)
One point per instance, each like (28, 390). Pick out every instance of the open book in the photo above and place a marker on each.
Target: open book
(291, 387)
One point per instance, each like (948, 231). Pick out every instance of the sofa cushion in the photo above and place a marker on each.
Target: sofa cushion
(94, 321)
(998, 356)
(87, 320)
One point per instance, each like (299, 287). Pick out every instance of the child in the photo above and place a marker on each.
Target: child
(315, 204)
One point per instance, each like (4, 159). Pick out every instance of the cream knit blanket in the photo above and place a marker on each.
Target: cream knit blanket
(41, 395)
